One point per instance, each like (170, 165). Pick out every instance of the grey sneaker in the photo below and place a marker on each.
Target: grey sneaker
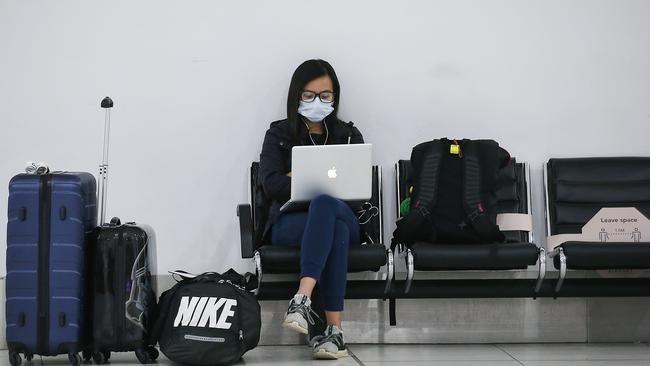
(299, 314)
(331, 345)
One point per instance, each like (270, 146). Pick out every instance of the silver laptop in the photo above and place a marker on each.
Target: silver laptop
(341, 171)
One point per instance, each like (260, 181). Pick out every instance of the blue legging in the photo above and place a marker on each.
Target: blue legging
(324, 234)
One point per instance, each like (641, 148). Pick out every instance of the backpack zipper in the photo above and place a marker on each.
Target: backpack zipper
(239, 318)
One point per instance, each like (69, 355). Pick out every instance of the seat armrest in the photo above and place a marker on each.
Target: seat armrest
(246, 231)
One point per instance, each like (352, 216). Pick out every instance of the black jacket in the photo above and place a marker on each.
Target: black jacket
(275, 159)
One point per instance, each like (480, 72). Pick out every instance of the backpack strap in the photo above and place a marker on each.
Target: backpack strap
(474, 207)
(418, 223)
(428, 177)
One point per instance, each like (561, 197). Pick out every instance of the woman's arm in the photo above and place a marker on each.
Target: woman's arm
(276, 183)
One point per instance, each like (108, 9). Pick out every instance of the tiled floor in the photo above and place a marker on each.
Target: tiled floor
(436, 355)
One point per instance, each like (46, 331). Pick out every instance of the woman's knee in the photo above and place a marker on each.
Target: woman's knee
(323, 202)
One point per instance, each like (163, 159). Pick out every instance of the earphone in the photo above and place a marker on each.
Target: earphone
(327, 133)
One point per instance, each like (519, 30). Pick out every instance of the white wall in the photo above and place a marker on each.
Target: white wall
(197, 83)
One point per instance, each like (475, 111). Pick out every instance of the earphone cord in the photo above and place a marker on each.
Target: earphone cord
(327, 133)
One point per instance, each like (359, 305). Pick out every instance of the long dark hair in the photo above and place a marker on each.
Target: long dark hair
(306, 72)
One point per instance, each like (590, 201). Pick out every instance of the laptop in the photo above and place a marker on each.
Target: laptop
(341, 171)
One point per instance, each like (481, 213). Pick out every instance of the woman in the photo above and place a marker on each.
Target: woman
(329, 227)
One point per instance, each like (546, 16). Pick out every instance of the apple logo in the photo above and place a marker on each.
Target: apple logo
(331, 173)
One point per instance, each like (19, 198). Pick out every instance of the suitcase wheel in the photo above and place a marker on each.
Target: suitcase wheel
(143, 356)
(153, 353)
(15, 359)
(101, 357)
(74, 359)
(86, 355)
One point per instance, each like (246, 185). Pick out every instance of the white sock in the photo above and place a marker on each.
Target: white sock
(333, 329)
(301, 298)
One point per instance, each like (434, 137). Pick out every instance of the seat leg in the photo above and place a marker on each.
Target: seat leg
(258, 271)
(410, 268)
(390, 270)
(560, 280)
(542, 270)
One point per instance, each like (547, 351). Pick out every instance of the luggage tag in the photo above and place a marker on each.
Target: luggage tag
(454, 149)
(39, 168)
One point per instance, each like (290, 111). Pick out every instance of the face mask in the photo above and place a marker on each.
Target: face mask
(315, 111)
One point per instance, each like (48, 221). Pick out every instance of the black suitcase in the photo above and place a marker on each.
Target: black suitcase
(123, 292)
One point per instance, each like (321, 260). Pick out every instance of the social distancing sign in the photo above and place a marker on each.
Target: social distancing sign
(609, 225)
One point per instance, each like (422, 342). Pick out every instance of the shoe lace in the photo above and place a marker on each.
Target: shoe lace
(305, 311)
(334, 338)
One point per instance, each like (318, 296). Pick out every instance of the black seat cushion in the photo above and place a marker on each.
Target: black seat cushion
(597, 255)
(281, 259)
(441, 257)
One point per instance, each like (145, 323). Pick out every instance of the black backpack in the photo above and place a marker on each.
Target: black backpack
(454, 193)
(210, 319)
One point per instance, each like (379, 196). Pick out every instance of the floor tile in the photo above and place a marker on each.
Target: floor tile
(574, 352)
(288, 355)
(262, 356)
(121, 358)
(401, 353)
(434, 355)
(588, 363)
(444, 363)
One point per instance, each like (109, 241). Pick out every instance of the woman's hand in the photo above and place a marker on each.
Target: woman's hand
(289, 174)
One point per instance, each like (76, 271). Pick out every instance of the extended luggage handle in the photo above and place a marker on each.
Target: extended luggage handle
(107, 105)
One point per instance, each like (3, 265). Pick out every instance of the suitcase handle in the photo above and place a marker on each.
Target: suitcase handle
(107, 105)
(22, 213)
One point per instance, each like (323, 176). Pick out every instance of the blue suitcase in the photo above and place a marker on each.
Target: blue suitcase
(50, 219)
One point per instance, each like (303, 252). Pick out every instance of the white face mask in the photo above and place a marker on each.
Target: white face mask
(315, 111)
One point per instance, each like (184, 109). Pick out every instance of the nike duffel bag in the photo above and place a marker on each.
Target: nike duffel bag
(207, 319)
